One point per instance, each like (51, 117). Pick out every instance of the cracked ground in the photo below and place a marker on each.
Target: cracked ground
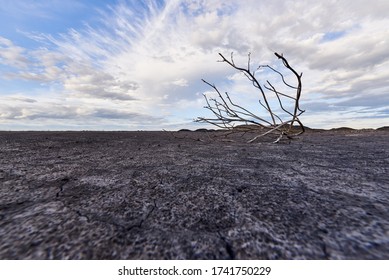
(190, 195)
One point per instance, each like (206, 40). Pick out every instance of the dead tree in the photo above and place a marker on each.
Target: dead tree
(235, 118)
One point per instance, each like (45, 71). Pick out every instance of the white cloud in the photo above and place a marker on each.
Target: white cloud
(26, 113)
(88, 82)
(12, 55)
(180, 82)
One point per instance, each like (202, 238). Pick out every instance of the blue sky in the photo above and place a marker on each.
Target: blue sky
(129, 65)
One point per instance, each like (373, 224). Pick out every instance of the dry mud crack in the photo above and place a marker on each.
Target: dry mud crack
(190, 195)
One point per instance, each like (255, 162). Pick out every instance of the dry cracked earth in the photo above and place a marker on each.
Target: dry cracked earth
(192, 195)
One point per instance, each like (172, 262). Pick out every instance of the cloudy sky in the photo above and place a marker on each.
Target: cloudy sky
(129, 65)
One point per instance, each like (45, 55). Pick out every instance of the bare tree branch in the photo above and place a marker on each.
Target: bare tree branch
(228, 113)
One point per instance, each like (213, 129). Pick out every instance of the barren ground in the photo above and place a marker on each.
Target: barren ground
(158, 195)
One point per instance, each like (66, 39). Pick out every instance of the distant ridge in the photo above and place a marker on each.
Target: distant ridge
(342, 129)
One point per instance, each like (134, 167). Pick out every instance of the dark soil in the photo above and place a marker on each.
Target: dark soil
(189, 195)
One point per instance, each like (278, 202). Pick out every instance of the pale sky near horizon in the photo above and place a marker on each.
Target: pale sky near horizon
(138, 65)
